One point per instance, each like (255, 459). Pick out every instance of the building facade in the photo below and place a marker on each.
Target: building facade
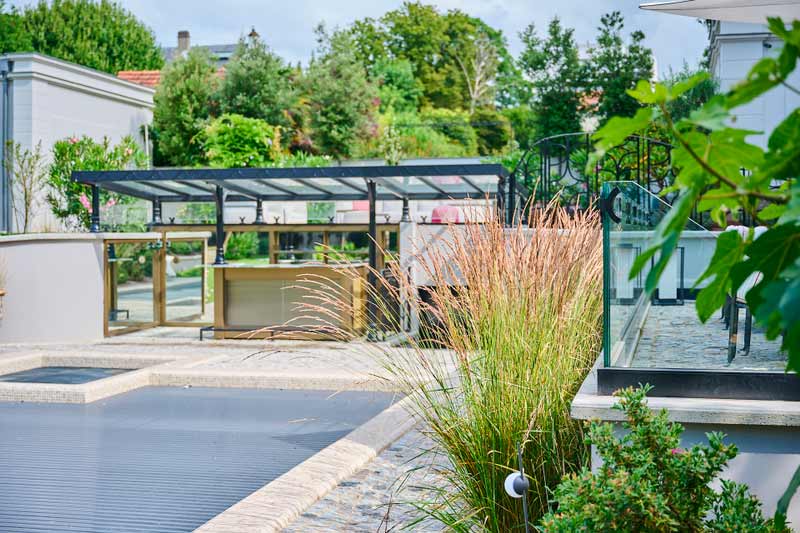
(46, 99)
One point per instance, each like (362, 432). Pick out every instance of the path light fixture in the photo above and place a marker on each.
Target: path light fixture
(517, 486)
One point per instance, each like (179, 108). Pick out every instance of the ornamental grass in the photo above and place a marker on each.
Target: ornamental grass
(510, 327)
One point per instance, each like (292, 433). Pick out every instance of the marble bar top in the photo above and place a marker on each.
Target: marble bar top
(284, 266)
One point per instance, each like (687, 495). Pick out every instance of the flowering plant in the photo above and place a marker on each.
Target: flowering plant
(70, 201)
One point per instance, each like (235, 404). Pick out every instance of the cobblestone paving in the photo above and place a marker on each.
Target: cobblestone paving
(673, 337)
(378, 498)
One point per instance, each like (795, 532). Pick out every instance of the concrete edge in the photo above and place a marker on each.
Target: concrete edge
(281, 501)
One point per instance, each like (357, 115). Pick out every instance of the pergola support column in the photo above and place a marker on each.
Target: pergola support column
(157, 212)
(372, 307)
(259, 211)
(406, 211)
(500, 198)
(512, 198)
(94, 218)
(219, 200)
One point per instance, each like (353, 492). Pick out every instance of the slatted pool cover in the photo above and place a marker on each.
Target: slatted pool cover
(159, 459)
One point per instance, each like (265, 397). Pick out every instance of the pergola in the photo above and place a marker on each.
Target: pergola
(371, 183)
(755, 11)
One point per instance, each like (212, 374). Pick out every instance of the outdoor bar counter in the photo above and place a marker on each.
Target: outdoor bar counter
(262, 301)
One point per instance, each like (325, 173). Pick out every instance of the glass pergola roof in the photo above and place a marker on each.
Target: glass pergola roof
(412, 182)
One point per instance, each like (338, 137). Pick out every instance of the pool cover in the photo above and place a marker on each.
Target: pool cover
(63, 375)
(159, 459)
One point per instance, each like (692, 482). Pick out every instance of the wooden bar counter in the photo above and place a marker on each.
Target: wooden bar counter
(262, 301)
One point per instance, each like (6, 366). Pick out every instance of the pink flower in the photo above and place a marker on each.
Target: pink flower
(85, 202)
(677, 451)
(73, 140)
(111, 202)
(128, 152)
(376, 101)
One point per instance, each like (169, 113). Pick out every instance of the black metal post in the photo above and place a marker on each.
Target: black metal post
(219, 200)
(157, 211)
(372, 305)
(94, 218)
(259, 211)
(501, 199)
(406, 211)
(512, 198)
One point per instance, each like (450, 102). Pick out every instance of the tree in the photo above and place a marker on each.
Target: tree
(479, 69)
(234, 141)
(695, 98)
(493, 130)
(183, 101)
(553, 67)
(27, 171)
(614, 67)
(13, 37)
(98, 34)
(341, 100)
(258, 84)
(399, 90)
(432, 41)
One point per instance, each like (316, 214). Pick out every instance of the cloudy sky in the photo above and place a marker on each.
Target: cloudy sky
(288, 26)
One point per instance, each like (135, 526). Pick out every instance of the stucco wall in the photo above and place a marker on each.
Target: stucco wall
(54, 288)
(736, 48)
(53, 99)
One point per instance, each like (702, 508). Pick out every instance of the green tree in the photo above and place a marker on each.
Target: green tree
(341, 99)
(434, 43)
(523, 124)
(258, 84)
(98, 34)
(552, 65)
(614, 66)
(183, 101)
(493, 130)
(398, 89)
(454, 124)
(13, 37)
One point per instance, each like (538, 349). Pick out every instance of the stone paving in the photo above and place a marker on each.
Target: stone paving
(673, 337)
(379, 498)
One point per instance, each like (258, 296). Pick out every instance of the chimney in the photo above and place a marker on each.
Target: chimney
(183, 41)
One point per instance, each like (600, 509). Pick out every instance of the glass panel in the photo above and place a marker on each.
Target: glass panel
(186, 279)
(248, 247)
(131, 288)
(661, 330)
(300, 247)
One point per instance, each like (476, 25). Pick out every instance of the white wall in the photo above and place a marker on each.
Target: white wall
(736, 47)
(54, 288)
(53, 99)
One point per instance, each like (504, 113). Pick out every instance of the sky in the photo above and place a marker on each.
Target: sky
(287, 26)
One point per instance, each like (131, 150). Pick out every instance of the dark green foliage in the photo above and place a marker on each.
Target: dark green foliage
(615, 66)
(13, 37)
(68, 199)
(98, 34)
(341, 100)
(258, 84)
(242, 246)
(648, 482)
(523, 124)
(453, 124)
(553, 67)
(183, 101)
(493, 130)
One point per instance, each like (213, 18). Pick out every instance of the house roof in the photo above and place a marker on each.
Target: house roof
(730, 10)
(148, 78)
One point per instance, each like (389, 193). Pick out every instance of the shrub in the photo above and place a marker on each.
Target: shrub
(453, 124)
(521, 329)
(493, 131)
(69, 200)
(242, 246)
(647, 482)
(233, 141)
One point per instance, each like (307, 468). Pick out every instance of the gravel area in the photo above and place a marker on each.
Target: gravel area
(379, 498)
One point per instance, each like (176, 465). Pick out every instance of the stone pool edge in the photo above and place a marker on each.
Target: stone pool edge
(278, 503)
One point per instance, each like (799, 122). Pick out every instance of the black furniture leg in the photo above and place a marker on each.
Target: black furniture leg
(733, 329)
(748, 330)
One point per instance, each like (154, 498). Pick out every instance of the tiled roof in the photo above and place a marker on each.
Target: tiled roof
(151, 78)
(148, 78)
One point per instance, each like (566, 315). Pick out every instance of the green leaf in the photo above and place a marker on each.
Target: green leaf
(783, 158)
(783, 504)
(771, 212)
(615, 131)
(687, 85)
(712, 116)
(762, 77)
(728, 252)
(651, 93)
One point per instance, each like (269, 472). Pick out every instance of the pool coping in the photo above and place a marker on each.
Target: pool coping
(278, 503)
